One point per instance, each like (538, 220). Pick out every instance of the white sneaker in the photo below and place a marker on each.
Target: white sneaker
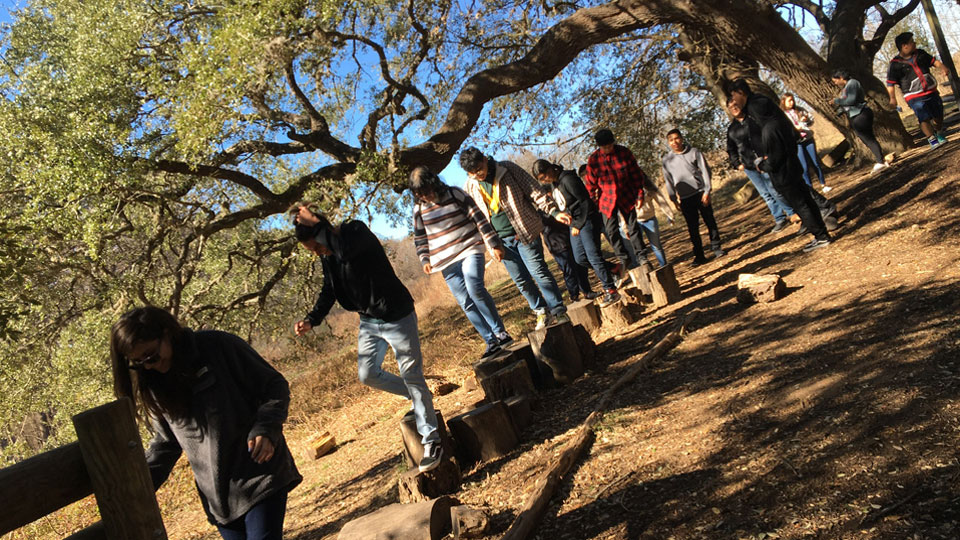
(827, 189)
(542, 319)
(879, 167)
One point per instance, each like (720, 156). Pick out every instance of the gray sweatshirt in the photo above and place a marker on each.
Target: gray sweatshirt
(237, 395)
(686, 174)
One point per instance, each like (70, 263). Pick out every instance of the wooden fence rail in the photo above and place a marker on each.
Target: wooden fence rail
(107, 460)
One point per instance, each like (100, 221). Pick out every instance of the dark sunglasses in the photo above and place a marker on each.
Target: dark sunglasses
(146, 361)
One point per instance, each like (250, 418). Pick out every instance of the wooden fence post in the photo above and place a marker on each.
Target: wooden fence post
(111, 448)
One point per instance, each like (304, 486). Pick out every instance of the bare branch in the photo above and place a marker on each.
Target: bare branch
(887, 22)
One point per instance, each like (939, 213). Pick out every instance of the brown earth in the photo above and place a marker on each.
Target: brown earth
(831, 413)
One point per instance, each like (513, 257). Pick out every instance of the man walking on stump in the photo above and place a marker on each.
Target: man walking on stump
(358, 275)
(911, 71)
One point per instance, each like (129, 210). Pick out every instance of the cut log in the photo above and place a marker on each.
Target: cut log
(745, 193)
(555, 346)
(640, 278)
(836, 156)
(415, 486)
(521, 413)
(319, 445)
(468, 522)
(513, 380)
(666, 290)
(412, 445)
(470, 383)
(634, 295)
(484, 433)
(753, 288)
(588, 349)
(585, 313)
(617, 316)
(428, 520)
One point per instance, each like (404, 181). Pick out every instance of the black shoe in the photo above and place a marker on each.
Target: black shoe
(492, 350)
(610, 298)
(779, 226)
(590, 295)
(698, 261)
(432, 454)
(506, 339)
(815, 244)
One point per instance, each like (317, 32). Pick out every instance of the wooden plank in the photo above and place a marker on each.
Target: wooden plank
(40, 485)
(111, 448)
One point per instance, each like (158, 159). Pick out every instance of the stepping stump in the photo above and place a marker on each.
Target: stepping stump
(428, 520)
(585, 313)
(512, 353)
(521, 411)
(555, 347)
(633, 295)
(745, 193)
(320, 445)
(760, 288)
(588, 349)
(666, 289)
(412, 447)
(617, 315)
(415, 486)
(484, 433)
(513, 380)
(468, 522)
(640, 277)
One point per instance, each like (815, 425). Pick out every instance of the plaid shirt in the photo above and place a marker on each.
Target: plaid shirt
(615, 179)
(520, 197)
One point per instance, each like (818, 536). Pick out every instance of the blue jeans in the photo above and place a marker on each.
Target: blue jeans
(586, 249)
(465, 280)
(779, 208)
(809, 150)
(528, 270)
(651, 228)
(264, 521)
(403, 336)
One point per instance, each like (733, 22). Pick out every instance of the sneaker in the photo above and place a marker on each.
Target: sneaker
(505, 339)
(941, 138)
(611, 297)
(574, 297)
(560, 318)
(815, 244)
(779, 226)
(432, 454)
(831, 223)
(697, 261)
(717, 253)
(826, 189)
(543, 318)
(492, 350)
(934, 143)
(590, 295)
(881, 166)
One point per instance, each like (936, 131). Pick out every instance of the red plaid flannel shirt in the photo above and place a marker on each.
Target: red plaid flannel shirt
(614, 180)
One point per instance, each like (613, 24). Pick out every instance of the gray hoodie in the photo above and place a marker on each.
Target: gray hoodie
(686, 174)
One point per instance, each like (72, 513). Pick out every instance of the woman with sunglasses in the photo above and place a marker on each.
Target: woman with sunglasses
(209, 395)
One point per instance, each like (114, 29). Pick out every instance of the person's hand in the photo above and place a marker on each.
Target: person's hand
(260, 448)
(427, 268)
(302, 327)
(705, 199)
(497, 253)
(741, 167)
(574, 231)
(564, 218)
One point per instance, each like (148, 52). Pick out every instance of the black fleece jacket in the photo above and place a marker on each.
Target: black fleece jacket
(576, 200)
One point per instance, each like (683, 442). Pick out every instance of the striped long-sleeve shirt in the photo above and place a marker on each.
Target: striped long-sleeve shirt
(450, 229)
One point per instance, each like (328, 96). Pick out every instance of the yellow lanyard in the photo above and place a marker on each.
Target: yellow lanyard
(493, 199)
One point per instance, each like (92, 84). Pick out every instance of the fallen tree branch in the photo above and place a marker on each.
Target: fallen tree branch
(547, 484)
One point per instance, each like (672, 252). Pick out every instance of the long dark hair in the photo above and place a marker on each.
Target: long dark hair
(542, 166)
(152, 392)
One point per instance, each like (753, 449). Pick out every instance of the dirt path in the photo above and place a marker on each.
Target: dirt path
(831, 413)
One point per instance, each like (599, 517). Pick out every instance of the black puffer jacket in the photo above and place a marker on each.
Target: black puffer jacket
(739, 146)
(576, 201)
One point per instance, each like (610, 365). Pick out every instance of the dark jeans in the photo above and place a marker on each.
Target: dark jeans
(557, 237)
(863, 125)
(693, 208)
(262, 522)
(612, 228)
(586, 248)
(797, 194)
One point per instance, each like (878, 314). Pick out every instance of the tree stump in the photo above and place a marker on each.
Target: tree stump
(468, 522)
(753, 288)
(585, 313)
(745, 193)
(666, 290)
(634, 295)
(521, 411)
(640, 277)
(617, 315)
(513, 380)
(412, 447)
(320, 445)
(588, 349)
(835, 156)
(428, 520)
(484, 433)
(556, 347)
(521, 350)
(415, 486)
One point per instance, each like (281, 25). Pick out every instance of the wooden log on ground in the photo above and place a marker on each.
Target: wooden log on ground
(113, 454)
(640, 277)
(521, 411)
(536, 504)
(586, 313)
(468, 522)
(556, 347)
(745, 193)
(835, 157)
(428, 520)
(513, 380)
(753, 288)
(484, 433)
(617, 315)
(588, 348)
(41, 485)
(415, 486)
(320, 445)
(412, 445)
(666, 289)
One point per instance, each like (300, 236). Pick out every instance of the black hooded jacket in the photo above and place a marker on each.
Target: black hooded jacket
(778, 139)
